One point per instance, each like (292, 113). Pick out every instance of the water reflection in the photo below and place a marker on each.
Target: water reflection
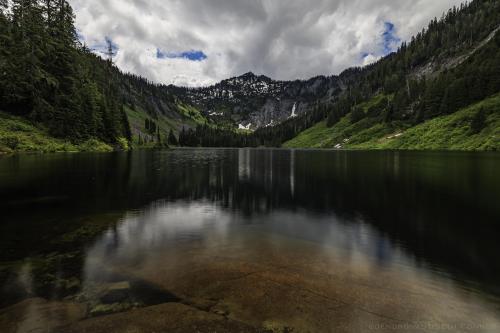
(165, 225)
(183, 223)
(201, 251)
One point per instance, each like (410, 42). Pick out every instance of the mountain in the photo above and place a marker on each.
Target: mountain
(55, 94)
(449, 66)
(446, 70)
(52, 85)
(252, 102)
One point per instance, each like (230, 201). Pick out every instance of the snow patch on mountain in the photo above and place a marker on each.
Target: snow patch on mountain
(293, 115)
(247, 127)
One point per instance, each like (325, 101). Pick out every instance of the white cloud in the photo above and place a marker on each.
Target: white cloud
(370, 59)
(284, 39)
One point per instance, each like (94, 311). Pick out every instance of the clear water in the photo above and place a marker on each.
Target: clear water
(275, 239)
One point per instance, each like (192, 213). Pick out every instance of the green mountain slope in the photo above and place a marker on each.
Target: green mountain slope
(18, 134)
(63, 92)
(431, 111)
(52, 82)
(476, 127)
(450, 65)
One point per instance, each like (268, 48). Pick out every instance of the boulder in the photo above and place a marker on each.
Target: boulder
(115, 293)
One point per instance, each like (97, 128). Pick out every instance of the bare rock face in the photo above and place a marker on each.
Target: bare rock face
(251, 101)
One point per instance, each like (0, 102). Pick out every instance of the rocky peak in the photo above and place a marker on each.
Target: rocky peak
(252, 101)
(248, 75)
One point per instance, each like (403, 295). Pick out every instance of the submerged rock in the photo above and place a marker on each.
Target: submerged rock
(104, 309)
(170, 317)
(39, 315)
(200, 303)
(115, 293)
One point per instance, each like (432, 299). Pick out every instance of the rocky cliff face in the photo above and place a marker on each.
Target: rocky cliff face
(251, 102)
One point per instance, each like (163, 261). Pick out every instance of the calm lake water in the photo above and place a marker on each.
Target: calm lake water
(250, 240)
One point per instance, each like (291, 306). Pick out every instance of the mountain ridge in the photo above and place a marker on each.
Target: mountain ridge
(450, 65)
(466, 33)
(257, 100)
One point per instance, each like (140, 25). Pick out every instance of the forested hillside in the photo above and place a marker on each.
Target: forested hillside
(439, 71)
(452, 64)
(449, 99)
(48, 78)
(51, 81)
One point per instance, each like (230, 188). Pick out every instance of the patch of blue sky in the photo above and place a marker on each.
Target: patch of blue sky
(102, 47)
(389, 43)
(390, 39)
(192, 55)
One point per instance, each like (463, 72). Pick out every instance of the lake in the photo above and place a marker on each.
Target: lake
(249, 240)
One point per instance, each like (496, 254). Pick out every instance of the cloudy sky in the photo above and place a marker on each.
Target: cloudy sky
(199, 42)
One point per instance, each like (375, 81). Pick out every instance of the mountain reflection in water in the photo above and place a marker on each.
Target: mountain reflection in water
(264, 237)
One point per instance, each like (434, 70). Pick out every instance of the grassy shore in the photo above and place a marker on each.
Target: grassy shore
(19, 135)
(450, 132)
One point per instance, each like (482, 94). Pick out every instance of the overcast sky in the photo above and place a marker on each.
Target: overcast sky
(200, 42)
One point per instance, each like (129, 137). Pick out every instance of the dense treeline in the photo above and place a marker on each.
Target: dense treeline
(412, 94)
(418, 95)
(421, 94)
(207, 136)
(273, 136)
(48, 77)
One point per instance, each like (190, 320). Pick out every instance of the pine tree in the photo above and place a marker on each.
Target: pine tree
(25, 74)
(5, 51)
(126, 126)
(389, 113)
(172, 140)
(182, 137)
(158, 137)
(478, 123)
(333, 117)
(357, 114)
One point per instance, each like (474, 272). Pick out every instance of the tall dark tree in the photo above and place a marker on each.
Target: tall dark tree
(357, 114)
(172, 140)
(158, 137)
(478, 123)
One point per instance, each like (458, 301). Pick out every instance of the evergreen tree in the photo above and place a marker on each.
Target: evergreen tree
(357, 114)
(47, 77)
(126, 127)
(158, 137)
(478, 123)
(172, 140)
(334, 116)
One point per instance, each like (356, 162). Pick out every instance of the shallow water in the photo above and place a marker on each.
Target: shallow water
(250, 240)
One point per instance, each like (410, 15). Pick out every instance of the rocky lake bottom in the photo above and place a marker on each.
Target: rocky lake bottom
(248, 241)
